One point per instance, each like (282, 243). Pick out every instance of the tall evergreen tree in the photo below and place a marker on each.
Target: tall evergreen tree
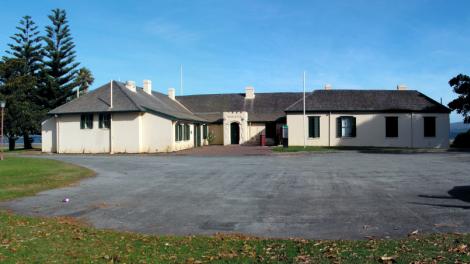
(27, 45)
(22, 115)
(27, 48)
(59, 63)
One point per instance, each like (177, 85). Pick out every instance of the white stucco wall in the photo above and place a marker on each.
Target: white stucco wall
(254, 132)
(126, 132)
(72, 139)
(157, 133)
(296, 131)
(183, 144)
(129, 133)
(241, 118)
(48, 135)
(442, 132)
(370, 131)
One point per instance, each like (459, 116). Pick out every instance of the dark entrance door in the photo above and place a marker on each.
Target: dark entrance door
(197, 135)
(235, 133)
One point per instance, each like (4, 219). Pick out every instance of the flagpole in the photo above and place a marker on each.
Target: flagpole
(181, 79)
(304, 117)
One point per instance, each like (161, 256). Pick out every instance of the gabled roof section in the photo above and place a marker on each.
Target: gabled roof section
(265, 107)
(368, 101)
(125, 100)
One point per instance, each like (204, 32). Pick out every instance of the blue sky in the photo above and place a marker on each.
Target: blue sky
(227, 45)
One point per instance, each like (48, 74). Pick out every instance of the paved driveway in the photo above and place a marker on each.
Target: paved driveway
(329, 195)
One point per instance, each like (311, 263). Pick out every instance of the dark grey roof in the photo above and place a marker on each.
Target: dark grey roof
(264, 107)
(368, 101)
(125, 100)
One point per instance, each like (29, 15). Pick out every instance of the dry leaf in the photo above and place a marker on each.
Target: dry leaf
(388, 259)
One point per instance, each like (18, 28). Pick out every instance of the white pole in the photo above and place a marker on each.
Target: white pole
(304, 114)
(78, 92)
(111, 118)
(181, 79)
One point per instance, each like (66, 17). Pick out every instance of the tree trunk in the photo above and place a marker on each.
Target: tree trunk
(27, 141)
(11, 143)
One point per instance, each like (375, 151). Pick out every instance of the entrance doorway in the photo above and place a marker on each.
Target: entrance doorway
(235, 133)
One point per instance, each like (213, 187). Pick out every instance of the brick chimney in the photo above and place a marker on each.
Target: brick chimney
(249, 92)
(131, 85)
(148, 86)
(171, 93)
(402, 87)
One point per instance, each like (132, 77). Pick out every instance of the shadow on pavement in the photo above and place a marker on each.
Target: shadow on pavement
(461, 193)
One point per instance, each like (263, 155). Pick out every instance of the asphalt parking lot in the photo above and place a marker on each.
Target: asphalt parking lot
(344, 195)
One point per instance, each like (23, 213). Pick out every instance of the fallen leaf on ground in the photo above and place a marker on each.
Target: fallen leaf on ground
(388, 259)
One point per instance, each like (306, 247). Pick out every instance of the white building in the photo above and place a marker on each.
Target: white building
(123, 118)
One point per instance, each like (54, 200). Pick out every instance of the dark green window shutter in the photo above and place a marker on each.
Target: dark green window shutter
(90, 121)
(176, 131)
(107, 123)
(316, 127)
(82, 121)
(100, 120)
(353, 128)
(338, 127)
(311, 124)
(204, 131)
(180, 133)
(186, 132)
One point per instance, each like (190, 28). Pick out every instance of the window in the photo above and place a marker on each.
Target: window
(204, 131)
(429, 126)
(346, 126)
(186, 132)
(313, 126)
(86, 121)
(105, 120)
(391, 126)
(178, 132)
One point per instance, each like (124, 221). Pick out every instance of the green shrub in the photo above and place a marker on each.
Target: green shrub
(462, 140)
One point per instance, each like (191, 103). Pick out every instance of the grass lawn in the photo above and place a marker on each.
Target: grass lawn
(26, 176)
(64, 240)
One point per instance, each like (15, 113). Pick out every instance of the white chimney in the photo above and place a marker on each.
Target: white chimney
(148, 86)
(328, 86)
(249, 92)
(402, 87)
(131, 85)
(171, 93)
